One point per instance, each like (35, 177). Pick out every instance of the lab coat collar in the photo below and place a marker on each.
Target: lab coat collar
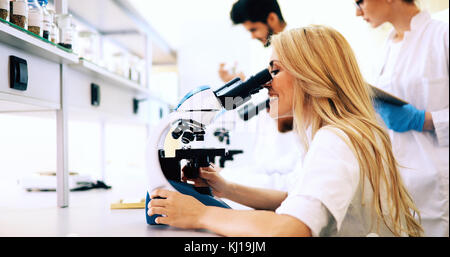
(417, 22)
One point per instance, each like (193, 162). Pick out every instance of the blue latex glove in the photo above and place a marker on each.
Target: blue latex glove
(400, 118)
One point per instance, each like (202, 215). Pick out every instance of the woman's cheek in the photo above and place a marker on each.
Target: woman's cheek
(274, 110)
(279, 106)
(286, 105)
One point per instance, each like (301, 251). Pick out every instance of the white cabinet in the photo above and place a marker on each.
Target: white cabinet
(116, 101)
(43, 79)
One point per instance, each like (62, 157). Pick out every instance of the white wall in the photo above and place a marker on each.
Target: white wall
(204, 47)
(205, 40)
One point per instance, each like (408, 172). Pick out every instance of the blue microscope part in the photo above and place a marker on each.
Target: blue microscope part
(219, 114)
(186, 189)
(193, 92)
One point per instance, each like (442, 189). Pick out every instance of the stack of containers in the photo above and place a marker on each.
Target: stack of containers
(35, 17)
(4, 10)
(19, 13)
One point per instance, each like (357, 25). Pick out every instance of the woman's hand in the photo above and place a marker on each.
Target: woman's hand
(226, 75)
(209, 177)
(220, 187)
(179, 210)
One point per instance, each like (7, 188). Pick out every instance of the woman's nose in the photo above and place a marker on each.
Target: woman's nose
(268, 84)
(359, 12)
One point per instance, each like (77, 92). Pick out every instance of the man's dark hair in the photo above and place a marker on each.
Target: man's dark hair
(254, 11)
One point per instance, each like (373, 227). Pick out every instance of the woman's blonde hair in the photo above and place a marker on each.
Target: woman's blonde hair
(330, 89)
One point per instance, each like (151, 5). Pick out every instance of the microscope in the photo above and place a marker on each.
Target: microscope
(177, 145)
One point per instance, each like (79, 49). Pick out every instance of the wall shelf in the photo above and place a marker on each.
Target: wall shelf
(119, 21)
(17, 37)
(104, 74)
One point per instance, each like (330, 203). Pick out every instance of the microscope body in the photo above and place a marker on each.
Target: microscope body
(186, 129)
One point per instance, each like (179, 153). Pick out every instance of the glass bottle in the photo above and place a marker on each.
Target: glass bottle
(134, 71)
(35, 17)
(19, 13)
(88, 44)
(66, 30)
(74, 37)
(47, 19)
(4, 9)
(121, 64)
(54, 31)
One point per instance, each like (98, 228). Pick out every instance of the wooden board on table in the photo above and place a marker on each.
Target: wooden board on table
(127, 204)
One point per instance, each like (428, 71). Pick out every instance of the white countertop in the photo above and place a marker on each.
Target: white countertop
(35, 214)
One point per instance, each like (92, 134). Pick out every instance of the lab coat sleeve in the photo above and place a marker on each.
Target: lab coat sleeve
(245, 175)
(313, 213)
(330, 176)
(440, 121)
(440, 118)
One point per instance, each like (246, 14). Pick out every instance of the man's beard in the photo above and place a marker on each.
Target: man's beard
(269, 35)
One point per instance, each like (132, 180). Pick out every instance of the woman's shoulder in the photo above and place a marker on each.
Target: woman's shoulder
(437, 29)
(336, 138)
(330, 132)
(331, 137)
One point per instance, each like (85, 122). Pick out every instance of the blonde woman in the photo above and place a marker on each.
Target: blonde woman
(349, 184)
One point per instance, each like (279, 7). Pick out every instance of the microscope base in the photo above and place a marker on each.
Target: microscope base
(186, 189)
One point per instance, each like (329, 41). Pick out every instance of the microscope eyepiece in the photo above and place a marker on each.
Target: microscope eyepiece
(235, 93)
(177, 133)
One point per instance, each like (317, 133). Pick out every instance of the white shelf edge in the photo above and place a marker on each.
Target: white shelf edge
(19, 39)
(27, 100)
(83, 113)
(102, 73)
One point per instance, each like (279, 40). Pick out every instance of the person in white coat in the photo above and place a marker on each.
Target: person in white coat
(415, 68)
(350, 184)
(276, 150)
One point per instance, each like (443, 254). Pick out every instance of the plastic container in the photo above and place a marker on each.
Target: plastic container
(47, 19)
(4, 9)
(19, 13)
(35, 17)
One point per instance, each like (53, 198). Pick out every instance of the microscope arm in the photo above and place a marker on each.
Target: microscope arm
(156, 178)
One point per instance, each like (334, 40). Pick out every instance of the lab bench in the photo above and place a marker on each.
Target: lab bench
(34, 214)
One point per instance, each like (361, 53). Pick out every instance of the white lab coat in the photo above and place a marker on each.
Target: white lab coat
(417, 70)
(327, 195)
(273, 159)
